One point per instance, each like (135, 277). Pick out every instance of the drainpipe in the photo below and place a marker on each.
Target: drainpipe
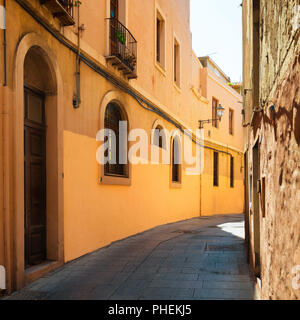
(3, 26)
(6, 187)
(76, 99)
(6, 161)
(200, 194)
(201, 172)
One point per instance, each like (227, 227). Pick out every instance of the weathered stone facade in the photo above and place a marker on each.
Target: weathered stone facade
(272, 143)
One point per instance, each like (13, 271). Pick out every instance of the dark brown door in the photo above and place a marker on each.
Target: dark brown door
(35, 177)
(114, 27)
(114, 9)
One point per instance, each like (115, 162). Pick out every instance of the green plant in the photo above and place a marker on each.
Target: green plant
(120, 37)
(77, 3)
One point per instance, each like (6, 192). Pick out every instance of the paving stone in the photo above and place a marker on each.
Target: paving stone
(131, 291)
(168, 293)
(190, 270)
(141, 275)
(175, 276)
(157, 298)
(102, 292)
(223, 294)
(183, 284)
(165, 269)
(176, 261)
(124, 297)
(135, 283)
(27, 295)
(223, 277)
(145, 268)
(237, 285)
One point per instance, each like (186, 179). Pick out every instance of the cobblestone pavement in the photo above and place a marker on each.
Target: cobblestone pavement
(197, 259)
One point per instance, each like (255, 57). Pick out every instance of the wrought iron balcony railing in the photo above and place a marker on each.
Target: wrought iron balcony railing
(123, 48)
(62, 9)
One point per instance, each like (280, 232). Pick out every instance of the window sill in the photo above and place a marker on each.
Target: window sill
(175, 185)
(160, 68)
(118, 181)
(178, 89)
(196, 93)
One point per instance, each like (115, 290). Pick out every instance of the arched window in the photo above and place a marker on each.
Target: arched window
(160, 137)
(113, 115)
(176, 160)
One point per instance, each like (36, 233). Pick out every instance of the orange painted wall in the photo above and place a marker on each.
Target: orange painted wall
(223, 199)
(230, 99)
(94, 214)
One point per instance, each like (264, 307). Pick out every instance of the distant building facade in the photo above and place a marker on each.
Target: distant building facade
(225, 136)
(272, 144)
(66, 76)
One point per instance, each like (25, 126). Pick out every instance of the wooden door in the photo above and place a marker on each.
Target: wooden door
(114, 26)
(114, 9)
(35, 178)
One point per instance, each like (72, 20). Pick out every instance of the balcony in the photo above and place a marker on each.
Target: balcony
(123, 49)
(61, 9)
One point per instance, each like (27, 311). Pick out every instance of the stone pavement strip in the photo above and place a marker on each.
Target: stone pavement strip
(198, 259)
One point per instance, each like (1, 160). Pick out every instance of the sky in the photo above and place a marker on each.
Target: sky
(216, 26)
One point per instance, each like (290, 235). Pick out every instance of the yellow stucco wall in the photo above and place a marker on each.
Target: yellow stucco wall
(222, 199)
(230, 99)
(94, 215)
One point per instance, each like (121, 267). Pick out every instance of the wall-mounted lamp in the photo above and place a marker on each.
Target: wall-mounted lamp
(220, 111)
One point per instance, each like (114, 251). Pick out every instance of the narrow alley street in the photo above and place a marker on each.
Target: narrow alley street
(197, 259)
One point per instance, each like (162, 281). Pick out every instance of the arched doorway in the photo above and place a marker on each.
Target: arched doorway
(38, 162)
(39, 142)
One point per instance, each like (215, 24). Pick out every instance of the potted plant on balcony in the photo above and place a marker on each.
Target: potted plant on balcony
(120, 37)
